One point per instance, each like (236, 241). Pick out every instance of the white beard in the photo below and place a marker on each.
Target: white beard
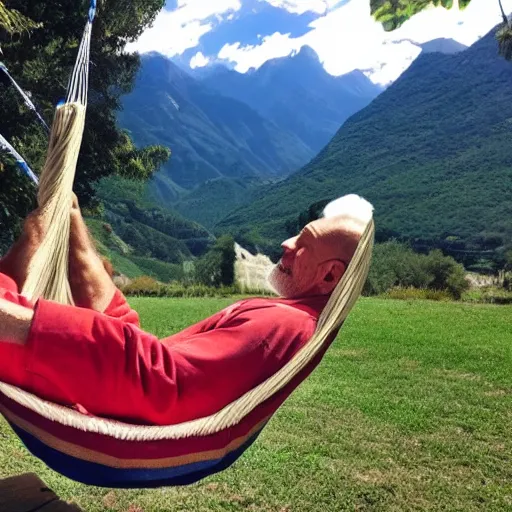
(285, 285)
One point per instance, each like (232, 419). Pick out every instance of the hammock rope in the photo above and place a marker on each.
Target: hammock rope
(48, 269)
(26, 99)
(20, 161)
(5, 145)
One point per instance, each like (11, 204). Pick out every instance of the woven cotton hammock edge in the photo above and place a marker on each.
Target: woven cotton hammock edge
(111, 453)
(48, 269)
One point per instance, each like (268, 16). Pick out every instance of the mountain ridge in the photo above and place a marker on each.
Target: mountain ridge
(429, 152)
(297, 94)
(210, 135)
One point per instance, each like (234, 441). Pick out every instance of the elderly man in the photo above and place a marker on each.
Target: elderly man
(94, 357)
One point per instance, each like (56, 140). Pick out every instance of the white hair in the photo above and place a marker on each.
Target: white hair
(351, 206)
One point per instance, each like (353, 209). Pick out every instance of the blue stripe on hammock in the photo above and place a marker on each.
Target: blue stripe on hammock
(91, 473)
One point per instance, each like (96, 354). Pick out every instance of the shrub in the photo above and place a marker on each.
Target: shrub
(143, 286)
(488, 295)
(396, 265)
(418, 294)
(148, 287)
(217, 267)
(446, 274)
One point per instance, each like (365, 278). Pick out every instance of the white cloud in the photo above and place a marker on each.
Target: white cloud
(247, 57)
(344, 35)
(347, 38)
(175, 31)
(199, 61)
(301, 6)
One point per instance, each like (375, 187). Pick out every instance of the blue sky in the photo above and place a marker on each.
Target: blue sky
(246, 33)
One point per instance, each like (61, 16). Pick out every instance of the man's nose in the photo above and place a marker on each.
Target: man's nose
(290, 244)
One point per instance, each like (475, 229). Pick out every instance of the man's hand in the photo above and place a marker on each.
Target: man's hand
(91, 283)
(16, 262)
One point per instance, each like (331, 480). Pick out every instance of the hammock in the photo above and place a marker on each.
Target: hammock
(108, 453)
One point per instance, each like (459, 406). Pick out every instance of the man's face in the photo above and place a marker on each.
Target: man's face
(293, 275)
(299, 271)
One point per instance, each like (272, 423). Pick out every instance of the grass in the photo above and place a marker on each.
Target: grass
(410, 410)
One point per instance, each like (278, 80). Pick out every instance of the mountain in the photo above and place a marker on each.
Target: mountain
(210, 202)
(432, 153)
(142, 238)
(298, 95)
(442, 45)
(210, 135)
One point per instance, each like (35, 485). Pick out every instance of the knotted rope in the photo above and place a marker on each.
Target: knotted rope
(48, 269)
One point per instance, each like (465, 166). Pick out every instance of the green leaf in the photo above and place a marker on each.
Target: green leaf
(394, 13)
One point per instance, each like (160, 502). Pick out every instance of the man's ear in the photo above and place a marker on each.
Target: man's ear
(332, 272)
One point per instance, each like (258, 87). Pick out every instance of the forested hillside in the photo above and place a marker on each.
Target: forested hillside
(431, 153)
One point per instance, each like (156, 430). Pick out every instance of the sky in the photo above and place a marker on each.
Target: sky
(244, 34)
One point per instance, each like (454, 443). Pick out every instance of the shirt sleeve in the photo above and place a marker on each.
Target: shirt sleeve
(9, 291)
(120, 309)
(7, 284)
(114, 369)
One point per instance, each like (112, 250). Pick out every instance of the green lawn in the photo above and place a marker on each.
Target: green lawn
(411, 409)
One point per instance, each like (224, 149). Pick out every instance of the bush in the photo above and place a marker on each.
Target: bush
(446, 274)
(148, 287)
(488, 295)
(396, 265)
(417, 294)
(217, 267)
(143, 286)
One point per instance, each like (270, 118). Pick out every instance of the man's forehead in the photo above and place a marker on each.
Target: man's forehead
(334, 237)
(323, 226)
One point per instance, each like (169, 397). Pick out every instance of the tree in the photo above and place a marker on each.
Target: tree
(217, 266)
(14, 22)
(42, 62)
(394, 13)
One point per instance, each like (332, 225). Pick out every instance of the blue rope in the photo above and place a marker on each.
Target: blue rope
(4, 144)
(24, 95)
(92, 11)
(20, 161)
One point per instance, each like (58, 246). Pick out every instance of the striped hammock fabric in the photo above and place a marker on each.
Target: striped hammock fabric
(108, 453)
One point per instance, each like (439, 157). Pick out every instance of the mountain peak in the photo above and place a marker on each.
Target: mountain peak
(443, 45)
(306, 52)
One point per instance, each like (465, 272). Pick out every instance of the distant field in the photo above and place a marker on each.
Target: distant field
(411, 409)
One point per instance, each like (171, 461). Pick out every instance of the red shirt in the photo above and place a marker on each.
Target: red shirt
(105, 364)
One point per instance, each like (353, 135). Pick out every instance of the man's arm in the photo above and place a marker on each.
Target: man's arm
(113, 369)
(90, 280)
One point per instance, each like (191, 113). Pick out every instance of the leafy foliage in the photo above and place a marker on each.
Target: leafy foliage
(217, 267)
(41, 63)
(394, 13)
(397, 265)
(13, 21)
